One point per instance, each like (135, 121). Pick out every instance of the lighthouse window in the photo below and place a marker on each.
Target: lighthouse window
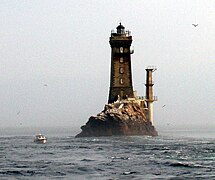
(121, 70)
(121, 49)
(121, 81)
(121, 60)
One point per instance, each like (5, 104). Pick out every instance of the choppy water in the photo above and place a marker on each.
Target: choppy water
(135, 157)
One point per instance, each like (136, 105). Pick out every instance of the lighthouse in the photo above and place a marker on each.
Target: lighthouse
(121, 75)
(126, 113)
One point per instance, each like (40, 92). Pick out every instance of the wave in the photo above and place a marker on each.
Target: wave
(184, 164)
(18, 173)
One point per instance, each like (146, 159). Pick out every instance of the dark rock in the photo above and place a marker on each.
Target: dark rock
(119, 118)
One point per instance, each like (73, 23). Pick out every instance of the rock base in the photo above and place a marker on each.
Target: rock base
(119, 118)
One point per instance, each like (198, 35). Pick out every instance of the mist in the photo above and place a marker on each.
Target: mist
(55, 59)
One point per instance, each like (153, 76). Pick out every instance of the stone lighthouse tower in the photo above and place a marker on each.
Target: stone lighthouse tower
(120, 76)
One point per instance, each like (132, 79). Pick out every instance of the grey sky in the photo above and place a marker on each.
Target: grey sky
(65, 44)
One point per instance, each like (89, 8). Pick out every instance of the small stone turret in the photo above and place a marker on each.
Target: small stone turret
(149, 92)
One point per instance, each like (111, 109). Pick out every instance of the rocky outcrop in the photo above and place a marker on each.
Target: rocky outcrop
(119, 118)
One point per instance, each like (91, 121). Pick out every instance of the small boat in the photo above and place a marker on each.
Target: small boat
(39, 138)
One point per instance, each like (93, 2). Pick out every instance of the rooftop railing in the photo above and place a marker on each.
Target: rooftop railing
(126, 33)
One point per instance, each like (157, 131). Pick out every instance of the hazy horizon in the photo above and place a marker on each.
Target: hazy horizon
(55, 59)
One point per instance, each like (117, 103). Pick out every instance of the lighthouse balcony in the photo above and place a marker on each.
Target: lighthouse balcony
(117, 38)
(151, 99)
(150, 83)
(145, 98)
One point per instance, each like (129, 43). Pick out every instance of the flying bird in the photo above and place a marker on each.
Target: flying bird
(195, 25)
(45, 85)
(163, 105)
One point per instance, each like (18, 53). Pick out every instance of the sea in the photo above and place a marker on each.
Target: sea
(174, 154)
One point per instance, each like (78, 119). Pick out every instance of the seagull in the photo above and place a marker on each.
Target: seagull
(195, 25)
(163, 105)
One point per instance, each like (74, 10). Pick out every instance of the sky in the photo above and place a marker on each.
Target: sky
(55, 59)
